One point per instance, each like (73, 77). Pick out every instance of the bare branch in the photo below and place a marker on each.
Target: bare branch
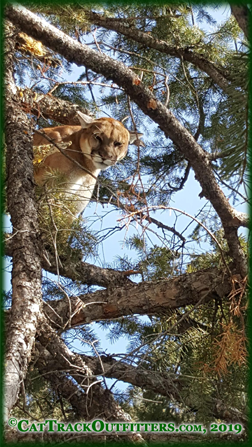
(164, 227)
(183, 180)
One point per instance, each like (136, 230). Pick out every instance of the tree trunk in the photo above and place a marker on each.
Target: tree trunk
(241, 14)
(26, 273)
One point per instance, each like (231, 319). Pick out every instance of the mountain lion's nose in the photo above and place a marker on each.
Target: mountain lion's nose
(105, 156)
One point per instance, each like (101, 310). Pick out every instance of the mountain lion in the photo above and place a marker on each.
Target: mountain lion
(93, 146)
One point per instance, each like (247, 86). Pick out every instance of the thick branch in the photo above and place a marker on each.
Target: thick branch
(88, 273)
(143, 97)
(77, 270)
(50, 107)
(147, 298)
(165, 384)
(241, 14)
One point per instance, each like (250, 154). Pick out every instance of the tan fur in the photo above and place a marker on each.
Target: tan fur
(96, 145)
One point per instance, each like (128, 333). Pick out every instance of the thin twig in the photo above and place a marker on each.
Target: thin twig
(186, 214)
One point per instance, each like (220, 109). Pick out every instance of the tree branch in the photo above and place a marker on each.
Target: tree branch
(51, 107)
(183, 180)
(146, 298)
(164, 226)
(168, 385)
(95, 400)
(77, 270)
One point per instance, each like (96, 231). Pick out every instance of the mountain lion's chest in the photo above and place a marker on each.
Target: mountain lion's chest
(80, 187)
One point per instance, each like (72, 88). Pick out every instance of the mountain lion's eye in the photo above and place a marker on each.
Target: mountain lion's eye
(98, 138)
(117, 143)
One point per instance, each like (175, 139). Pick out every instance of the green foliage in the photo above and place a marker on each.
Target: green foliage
(215, 257)
(43, 402)
(230, 122)
(60, 230)
(155, 262)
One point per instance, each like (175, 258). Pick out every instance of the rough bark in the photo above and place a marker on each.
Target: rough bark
(73, 51)
(26, 273)
(241, 14)
(165, 384)
(66, 360)
(147, 298)
(50, 107)
(88, 273)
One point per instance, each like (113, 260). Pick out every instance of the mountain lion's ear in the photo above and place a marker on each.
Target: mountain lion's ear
(85, 120)
(134, 136)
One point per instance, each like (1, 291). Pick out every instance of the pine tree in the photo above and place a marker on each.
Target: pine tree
(179, 293)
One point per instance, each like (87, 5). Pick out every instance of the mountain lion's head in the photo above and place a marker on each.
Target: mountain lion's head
(105, 140)
(93, 146)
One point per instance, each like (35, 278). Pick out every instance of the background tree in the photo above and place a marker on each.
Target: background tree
(186, 90)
